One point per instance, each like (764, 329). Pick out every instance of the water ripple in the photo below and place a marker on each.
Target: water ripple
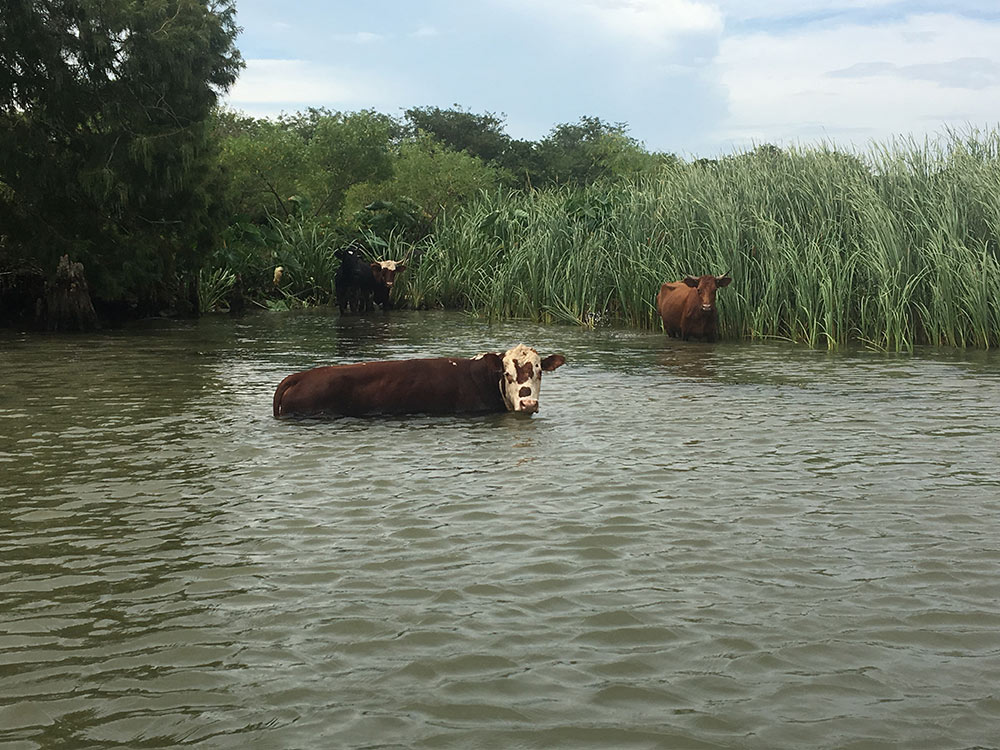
(730, 546)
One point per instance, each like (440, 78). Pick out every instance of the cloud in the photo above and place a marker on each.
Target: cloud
(858, 82)
(645, 21)
(652, 20)
(425, 31)
(268, 87)
(744, 10)
(266, 81)
(967, 72)
(359, 37)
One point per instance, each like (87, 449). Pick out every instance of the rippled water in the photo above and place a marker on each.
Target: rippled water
(691, 546)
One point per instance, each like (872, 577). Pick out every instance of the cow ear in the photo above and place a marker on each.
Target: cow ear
(721, 281)
(400, 267)
(691, 281)
(376, 266)
(553, 361)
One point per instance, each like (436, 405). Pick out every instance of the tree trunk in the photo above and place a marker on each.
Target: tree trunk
(67, 299)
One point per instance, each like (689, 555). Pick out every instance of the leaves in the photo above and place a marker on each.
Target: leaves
(103, 126)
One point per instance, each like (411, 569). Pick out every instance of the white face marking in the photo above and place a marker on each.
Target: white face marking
(388, 269)
(522, 379)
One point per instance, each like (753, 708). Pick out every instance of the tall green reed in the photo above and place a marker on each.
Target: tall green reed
(305, 251)
(892, 248)
(213, 286)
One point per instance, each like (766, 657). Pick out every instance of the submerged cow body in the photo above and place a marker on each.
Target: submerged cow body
(359, 283)
(491, 382)
(687, 307)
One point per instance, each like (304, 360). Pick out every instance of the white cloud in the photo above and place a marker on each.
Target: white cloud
(359, 37)
(743, 10)
(266, 81)
(762, 10)
(856, 83)
(268, 87)
(965, 72)
(425, 31)
(652, 20)
(646, 21)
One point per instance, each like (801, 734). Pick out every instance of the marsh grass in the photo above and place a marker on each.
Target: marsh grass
(213, 287)
(892, 248)
(306, 252)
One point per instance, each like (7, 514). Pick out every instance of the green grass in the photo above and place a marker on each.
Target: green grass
(891, 248)
(212, 289)
(305, 251)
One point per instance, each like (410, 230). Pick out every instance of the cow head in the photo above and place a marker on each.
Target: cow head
(706, 286)
(521, 379)
(386, 270)
(353, 250)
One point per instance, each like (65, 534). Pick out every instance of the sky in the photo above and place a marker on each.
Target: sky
(697, 78)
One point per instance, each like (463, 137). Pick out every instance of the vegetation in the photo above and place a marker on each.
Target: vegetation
(114, 155)
(824, 247)
(107, 156)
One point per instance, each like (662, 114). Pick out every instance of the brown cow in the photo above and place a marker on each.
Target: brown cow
(491, 382)
(687, 307)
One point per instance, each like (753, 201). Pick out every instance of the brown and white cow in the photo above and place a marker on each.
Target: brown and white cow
(385, 271)
(687, 307)
(490, 382)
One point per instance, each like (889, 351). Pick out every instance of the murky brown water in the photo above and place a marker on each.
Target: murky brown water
(691, 546)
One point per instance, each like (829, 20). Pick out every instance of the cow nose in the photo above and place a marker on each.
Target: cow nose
(706, 308)
(528, 405)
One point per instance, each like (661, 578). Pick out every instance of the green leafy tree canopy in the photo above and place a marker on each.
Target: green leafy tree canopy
(104, 135)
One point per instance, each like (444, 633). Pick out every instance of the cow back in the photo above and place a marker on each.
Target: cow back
(429, 386)
(672, 302)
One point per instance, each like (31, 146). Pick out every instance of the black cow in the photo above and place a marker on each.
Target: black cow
(359, 283)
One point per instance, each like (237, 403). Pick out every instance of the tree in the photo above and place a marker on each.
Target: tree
(590, 150)
(263, 162)
(346, 149)
(311, 157)
(428, 178)
(482, 135)
(105, 145)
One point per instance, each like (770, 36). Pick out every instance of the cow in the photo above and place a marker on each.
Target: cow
(358, 282)
(490, 382)
(687, 307)
(385, 272)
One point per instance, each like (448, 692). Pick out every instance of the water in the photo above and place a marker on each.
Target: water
(690, 546)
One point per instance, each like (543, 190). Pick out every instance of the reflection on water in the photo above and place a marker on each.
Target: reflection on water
(692, 545)
(690, 363)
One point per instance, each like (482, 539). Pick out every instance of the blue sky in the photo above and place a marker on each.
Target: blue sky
(694, 77)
